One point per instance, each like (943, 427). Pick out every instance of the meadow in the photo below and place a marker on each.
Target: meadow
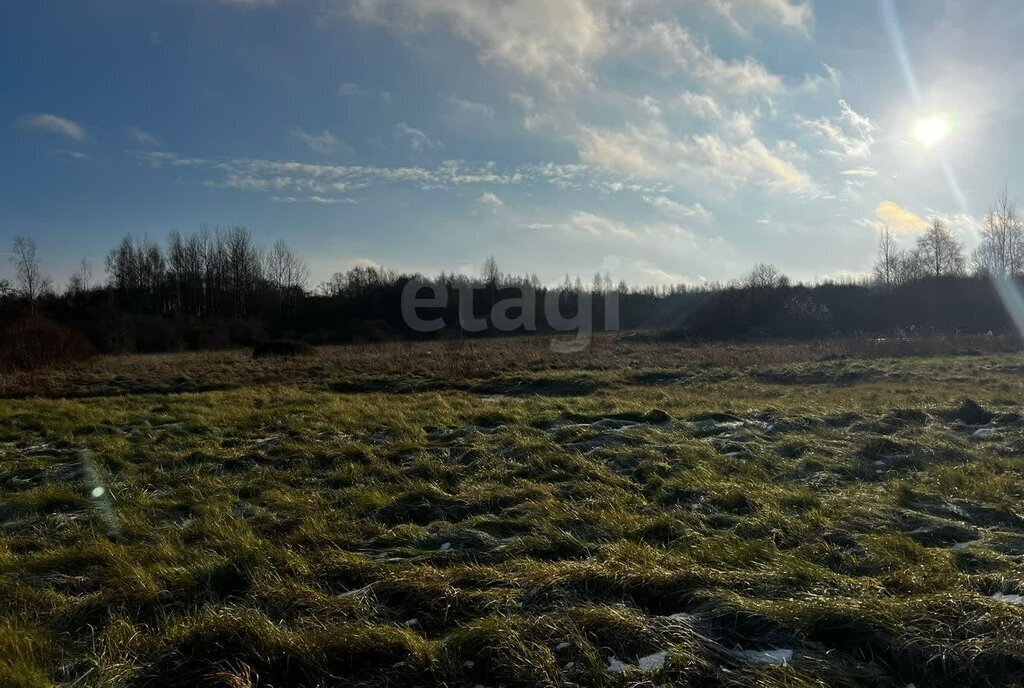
(835, 513)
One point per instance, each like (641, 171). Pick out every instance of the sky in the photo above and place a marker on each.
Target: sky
(662, 142)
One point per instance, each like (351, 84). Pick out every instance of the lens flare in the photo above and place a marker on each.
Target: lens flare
(932, 130)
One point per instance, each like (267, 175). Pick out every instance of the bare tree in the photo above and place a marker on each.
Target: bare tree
(1001, 252)
(286, 272)
(889, 256)
(909, 267)
(491, 273)
(30, 282)
(335, 286)
(939, 253)
(80, 281)
(764, 276)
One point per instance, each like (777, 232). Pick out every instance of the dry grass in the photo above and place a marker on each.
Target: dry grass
(525, 522)
(454, 362)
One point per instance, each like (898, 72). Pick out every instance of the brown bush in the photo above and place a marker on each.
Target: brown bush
(286, 348)
(35, 342)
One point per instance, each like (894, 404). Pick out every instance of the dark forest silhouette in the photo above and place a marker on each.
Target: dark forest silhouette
(218, 288)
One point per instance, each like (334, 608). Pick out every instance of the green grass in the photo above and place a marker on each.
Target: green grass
(278, 532)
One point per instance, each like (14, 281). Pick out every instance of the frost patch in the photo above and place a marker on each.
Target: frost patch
(780, 657)
(653, 662)
(1009, 599)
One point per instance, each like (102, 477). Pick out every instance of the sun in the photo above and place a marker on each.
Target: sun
(930, 131)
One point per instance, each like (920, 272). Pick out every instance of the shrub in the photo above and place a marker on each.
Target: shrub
(286, 348)
(35, 342)
(155, 334)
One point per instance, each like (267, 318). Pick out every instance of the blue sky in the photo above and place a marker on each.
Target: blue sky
(661, 141)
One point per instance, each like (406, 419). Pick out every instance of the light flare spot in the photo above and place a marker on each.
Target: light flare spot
(930, 131)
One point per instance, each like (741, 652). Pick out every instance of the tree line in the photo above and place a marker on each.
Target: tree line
(218, 288)
(937, 253)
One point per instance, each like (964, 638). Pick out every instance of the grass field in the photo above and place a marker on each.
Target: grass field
(493, 514)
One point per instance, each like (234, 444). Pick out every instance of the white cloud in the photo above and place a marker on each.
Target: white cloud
(860, 172)
(71, 154)
(468, 109)
(247, 3)
(550, 54)
(143, 137)
(850, 135)
(814, 82)
(677, 47)
(588, 224)
(686, 250)
(54, 125)
(414, 138)
(349, 89)
(654, 151)
(325, 142)
(318, 200)
(284, 178)
(743, 14)
(678, 210)
(701, 105)
(490, 200)
(660, 276)
(893, 216)
(554, 40)
(557, 43)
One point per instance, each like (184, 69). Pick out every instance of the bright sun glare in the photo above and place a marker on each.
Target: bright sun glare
(931, 130)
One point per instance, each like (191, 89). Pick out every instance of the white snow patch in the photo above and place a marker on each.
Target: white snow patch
(1009, 599)
(961, 546)
(653, 662)
(617, 667)
(769, 656)
(681, 616)
(446, 546)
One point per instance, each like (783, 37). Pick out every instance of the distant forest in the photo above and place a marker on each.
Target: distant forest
(218, 288)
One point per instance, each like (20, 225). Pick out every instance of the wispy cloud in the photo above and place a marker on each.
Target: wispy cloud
(553, 40)
(54, 124)
(350, 90)
(491, 200)
(551, 54)
(860, 172)
(678, 210)
(325, 142)
(415, 138)
(318, 200)
(659, 276)
(246, 3)
(283, 178)
(677, 47)
(142, 137)
(849, 135)
(654, 151)
(468, 109)
(897, 218)
(742, 15)
(815, 82)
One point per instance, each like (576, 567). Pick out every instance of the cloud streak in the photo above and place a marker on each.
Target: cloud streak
(324, 143)
(293, 180)
(54, 124)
